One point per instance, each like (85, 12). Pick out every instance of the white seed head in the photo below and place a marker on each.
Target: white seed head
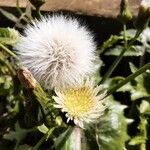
(57, 50)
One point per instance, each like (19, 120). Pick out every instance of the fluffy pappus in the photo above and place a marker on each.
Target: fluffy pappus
(57, 50)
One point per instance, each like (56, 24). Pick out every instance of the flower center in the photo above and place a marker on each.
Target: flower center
(78, 101)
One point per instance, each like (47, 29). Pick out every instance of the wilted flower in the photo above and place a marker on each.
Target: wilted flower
(82, 103)
(57, 50)
(26, 78)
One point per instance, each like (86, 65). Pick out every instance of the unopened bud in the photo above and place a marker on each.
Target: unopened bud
(37, 3)
(125, 14)
(26, 78)
(143, 17)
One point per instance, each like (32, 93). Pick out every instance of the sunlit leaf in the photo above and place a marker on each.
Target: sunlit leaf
(43, 129)
(115, 44)
(137, 140)
(132, 51)
(144, 107)
(110, 42)
(141, 137)
(140, 85)
(111, 131)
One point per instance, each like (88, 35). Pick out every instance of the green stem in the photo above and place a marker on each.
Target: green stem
(113, 66)
(142, 58)
(125, 35)
(8, 51)
(128, 79)
(36, 147)
(116, 62)
(40, 142)
(23, 16)
(38, 12)
(18, 8)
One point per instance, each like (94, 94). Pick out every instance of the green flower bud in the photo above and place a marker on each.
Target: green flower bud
(37, 3)
(125, 14)
(143, 17)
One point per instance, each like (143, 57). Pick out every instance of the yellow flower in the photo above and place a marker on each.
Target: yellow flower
(83, 103)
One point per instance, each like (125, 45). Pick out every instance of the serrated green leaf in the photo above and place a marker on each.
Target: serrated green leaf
(144, 107)
(9, 36)
(110, 42)
(132, 51)
(46, 102)
(140, 85)
(136, 140)
(138, 49)
(116, 80)
(18, 135)
(141, 137)
(111, 131)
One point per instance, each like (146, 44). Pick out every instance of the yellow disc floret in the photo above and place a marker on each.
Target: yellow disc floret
(81, 102)
(78, 101)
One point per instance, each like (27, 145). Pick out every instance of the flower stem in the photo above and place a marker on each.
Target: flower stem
(142, 58)
(18, 8)
(45, 137)
(116, 62)
(125, 35)
(39, 15)
(36, 147)
(8, 51)
(128, 79)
